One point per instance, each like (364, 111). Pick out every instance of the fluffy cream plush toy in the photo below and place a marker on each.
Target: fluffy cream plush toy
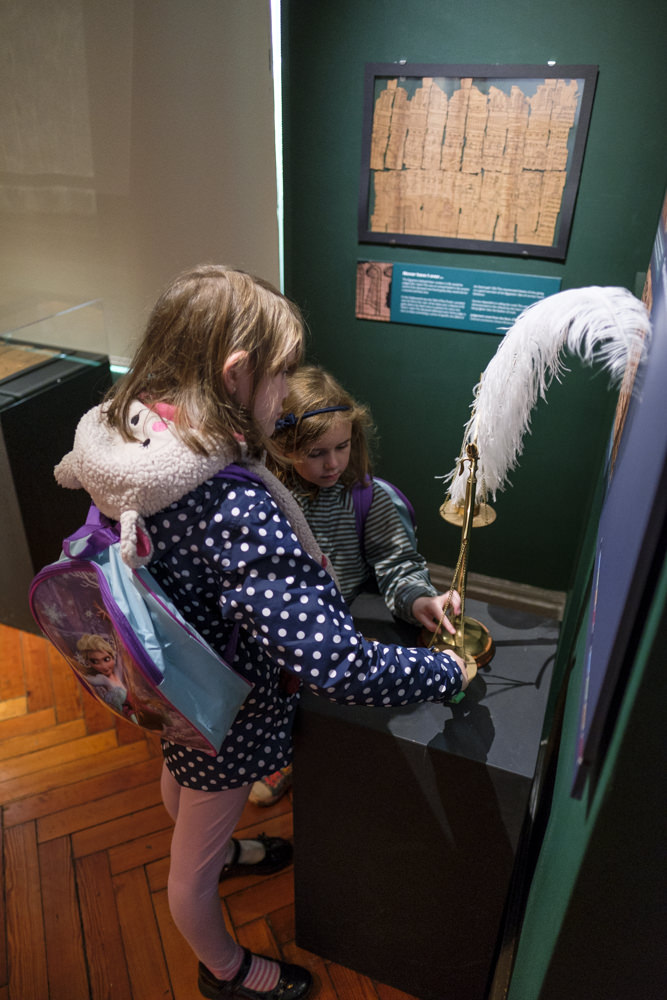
(130, 480)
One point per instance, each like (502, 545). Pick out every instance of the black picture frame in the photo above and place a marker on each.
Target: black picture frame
(514, 82)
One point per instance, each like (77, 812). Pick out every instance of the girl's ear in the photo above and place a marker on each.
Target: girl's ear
(235, 372)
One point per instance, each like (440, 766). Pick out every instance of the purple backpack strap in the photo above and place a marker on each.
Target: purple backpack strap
(392, 488)
(239, 474)
(362, 498)
(97, 534)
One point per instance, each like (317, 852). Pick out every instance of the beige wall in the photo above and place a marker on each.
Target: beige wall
(136, 139)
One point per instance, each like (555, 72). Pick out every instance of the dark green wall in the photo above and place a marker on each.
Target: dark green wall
(594, 924)
(418, 381)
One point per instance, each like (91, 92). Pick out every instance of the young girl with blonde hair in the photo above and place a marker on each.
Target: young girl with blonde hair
(236, 556)
(323, 438)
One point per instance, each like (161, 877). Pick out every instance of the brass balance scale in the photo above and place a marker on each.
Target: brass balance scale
(607, 325)
(471, 639)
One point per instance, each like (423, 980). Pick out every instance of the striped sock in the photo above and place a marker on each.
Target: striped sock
(263, 974)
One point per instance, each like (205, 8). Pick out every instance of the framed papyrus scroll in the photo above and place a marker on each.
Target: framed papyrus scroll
(483, 158)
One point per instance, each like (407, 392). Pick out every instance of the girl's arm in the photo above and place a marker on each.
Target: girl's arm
(300, 622)
(400, 571)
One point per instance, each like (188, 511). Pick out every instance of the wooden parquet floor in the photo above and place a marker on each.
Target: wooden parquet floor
(85, 844)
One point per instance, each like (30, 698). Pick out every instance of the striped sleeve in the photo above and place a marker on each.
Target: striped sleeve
(401, 572)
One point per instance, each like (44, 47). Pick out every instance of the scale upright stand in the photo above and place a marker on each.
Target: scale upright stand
(471, 640)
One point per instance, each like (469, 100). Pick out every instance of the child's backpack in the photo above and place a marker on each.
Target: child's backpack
(362, 497)
(129, 646)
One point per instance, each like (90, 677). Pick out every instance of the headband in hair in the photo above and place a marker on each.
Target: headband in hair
(291, 420)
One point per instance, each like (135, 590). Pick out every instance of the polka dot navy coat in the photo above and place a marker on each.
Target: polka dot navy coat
(226, 555)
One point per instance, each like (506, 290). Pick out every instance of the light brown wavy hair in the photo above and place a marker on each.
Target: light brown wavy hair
(313, 388)
(203, 317)
(91, 642)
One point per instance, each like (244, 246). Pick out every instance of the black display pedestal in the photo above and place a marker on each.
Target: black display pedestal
(407, 820)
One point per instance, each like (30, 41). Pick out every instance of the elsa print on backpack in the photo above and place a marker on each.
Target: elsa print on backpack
(128, 646)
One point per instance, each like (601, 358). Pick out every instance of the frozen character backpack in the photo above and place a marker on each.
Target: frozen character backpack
(129, 646)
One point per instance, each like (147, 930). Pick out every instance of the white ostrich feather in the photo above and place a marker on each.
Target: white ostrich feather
(605, 325)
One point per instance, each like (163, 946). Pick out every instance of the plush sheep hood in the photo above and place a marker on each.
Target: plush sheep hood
(130, 480)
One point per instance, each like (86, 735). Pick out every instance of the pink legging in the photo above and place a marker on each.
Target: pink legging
(204, 823)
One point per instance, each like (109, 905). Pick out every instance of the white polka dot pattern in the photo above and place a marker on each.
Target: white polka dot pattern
(225, 554)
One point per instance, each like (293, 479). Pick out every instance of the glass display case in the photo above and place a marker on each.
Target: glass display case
(48, 379)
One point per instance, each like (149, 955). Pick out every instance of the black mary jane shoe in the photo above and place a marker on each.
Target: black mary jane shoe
(277, 855)
(294, 983)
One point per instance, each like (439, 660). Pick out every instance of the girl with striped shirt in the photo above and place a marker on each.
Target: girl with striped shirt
(322, 441)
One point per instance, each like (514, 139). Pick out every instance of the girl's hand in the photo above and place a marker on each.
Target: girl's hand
(464, 671)
(428, 610)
